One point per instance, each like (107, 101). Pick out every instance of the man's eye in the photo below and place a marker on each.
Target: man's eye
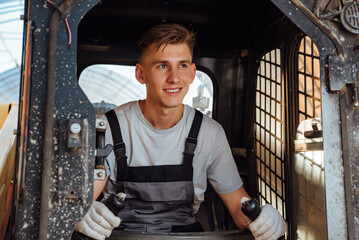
(162, 66)
(183, 65)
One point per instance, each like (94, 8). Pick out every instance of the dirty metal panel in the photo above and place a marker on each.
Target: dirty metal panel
(29, 180)
(333, 162)
(58, 181)
(350, 133)
(69, 152)
(343, 72)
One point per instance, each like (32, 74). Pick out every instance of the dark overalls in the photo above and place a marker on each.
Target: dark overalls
(160, 198)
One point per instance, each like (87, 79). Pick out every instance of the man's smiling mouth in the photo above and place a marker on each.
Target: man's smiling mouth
(173, 90)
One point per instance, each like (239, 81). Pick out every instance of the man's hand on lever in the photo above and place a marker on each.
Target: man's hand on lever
(269, 225)
(98, 222)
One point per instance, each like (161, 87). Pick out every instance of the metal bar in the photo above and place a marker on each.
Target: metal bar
(321, 26)
(49, 122)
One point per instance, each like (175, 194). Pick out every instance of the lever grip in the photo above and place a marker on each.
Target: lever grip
(114, 203)
(251, 209)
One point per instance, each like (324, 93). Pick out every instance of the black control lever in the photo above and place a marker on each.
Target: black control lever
(102, 151)
(251, 209)
(114, 203)
(315, 133)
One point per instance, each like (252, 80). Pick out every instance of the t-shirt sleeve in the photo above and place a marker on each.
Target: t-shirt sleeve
(222, 172)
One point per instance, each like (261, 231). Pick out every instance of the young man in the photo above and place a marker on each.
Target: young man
(165, 151)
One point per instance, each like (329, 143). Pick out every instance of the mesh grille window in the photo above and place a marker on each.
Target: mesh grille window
(269, 132)
(308, 178)
(308, 80)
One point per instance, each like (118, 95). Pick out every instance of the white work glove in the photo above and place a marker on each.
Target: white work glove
(269, 225)
(98, 222)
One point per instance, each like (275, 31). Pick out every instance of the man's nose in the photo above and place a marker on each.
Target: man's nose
(173, 75)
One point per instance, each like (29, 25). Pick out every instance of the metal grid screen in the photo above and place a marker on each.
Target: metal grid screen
(269, 132)
(308, 178)
(308, 80)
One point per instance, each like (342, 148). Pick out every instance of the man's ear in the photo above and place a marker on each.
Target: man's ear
(193, 72)
(139, 74)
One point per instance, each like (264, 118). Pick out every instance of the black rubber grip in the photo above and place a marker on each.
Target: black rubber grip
(114, 203)
(252, 210)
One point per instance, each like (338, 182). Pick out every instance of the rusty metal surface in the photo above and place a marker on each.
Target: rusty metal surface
(62, 177)
(350, 132)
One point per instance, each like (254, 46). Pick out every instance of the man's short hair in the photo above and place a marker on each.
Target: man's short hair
(165, 34)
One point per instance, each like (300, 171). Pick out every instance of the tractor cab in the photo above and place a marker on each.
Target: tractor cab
(280, 76)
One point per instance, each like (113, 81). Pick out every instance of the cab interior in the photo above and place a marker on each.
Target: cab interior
(264, 89)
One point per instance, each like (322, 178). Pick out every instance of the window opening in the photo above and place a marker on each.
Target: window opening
(269, 132)
(308, 178)
(108, 86)
(308, 80)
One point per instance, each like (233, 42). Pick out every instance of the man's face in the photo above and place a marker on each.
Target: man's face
(167, 73)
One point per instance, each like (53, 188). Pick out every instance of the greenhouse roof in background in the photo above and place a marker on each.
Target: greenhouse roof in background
(11, 28)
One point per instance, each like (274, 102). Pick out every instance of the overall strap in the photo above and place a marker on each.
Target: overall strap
(191, 142)
(118, 144)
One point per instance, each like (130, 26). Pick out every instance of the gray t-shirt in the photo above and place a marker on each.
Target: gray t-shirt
(148, 146)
